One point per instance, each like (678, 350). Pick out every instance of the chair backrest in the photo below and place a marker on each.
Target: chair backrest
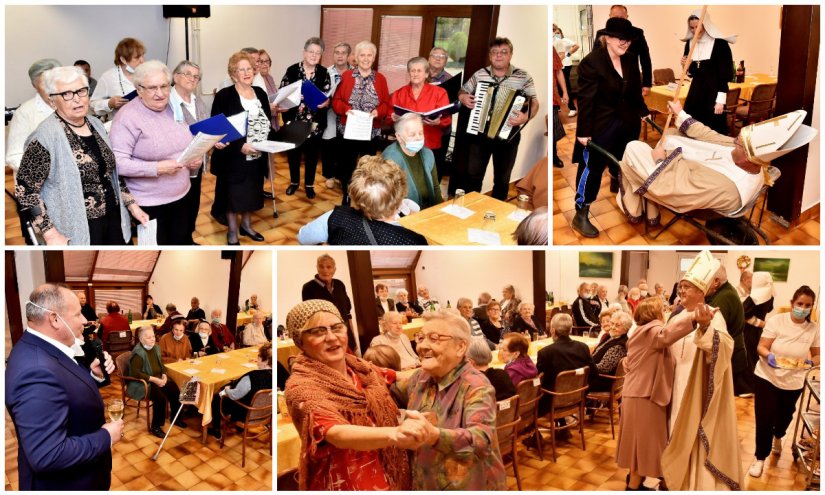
(506, 410)
(529, 393)
(570, 387)
(122, 367)
(554, 312)
(761, 101)
(618, 383)
(663, 76)
(120, 338)
(733, 98)
(261, 407)
(506, 423)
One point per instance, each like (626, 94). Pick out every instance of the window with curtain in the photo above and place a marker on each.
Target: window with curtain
(344, 25)
(400, 41)
(125, 298)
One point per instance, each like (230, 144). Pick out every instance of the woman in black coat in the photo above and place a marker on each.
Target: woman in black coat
(310, 69)
(711, 69)
(611, 109)
(240, 169)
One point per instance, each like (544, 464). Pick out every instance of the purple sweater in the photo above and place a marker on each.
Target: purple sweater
(521, 369)
(140, 139)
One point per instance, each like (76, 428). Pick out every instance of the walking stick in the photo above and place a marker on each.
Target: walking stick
(188, 395)
(272, 185)
(688, 60)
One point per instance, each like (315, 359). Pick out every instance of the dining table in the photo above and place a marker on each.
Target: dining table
(213, 372)
(660, 95)
(443, 224)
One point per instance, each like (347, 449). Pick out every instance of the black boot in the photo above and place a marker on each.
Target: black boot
(581, 223)
(614, 184)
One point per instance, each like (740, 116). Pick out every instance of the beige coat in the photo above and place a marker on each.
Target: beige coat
(703, 453)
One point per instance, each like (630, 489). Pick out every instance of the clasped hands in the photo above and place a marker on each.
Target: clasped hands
(416, 430)
(702, 315)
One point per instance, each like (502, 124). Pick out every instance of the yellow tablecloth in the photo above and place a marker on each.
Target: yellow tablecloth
(142, 323)
(660, 95)
(536, 346)
(286, 348)
(289, 445)
(411, 328)
(444, 229)
(234, 363)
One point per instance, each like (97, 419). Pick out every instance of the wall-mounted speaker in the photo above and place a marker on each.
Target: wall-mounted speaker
(185, 11)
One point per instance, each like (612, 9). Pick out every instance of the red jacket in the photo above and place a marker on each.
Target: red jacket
(340, 101)
(431, 97)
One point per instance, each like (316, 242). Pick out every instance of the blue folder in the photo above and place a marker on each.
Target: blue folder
(312, 95)
(131, 96)
(216, 126)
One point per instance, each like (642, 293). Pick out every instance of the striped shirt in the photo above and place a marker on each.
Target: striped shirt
(514, 78)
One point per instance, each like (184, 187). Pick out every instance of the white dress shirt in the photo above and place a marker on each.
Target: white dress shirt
(113, 82)
(26, 118)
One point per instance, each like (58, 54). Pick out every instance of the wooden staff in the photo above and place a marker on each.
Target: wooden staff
(685, 67)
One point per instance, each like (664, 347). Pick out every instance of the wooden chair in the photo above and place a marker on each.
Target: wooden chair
(609, 398)
(730, 108)
(122, 364)
(529, 393)
(554, 312)
(568, 400)
(759, 107)
(258, 413)
(506, 423)
(662, 77)
(118, 342)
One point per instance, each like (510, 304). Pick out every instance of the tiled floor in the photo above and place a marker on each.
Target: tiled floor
(596, 469)
(615, 230)
(293, 211)
(184, 463)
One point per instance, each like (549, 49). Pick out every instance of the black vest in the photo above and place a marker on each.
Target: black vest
(258, 380)
(346, 228)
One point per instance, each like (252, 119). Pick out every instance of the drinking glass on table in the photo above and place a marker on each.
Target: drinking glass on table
(115, 410)
(458, 199)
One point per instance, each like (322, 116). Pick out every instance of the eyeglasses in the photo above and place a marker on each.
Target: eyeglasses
(191, 77)
(438, 56)
(250, 69)
(337, 329)
(313, 52)
(69, 95)
(435, 338)
(164, 88)
(264, 61)
(496, 53)
(624, 42)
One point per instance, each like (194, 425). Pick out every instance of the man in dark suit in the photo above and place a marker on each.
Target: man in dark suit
(562, 355)
(480, 311)
(324, 286)
(64, 441)
(383, 303)
(639, 49)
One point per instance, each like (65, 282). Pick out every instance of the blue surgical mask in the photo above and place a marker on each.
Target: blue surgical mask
(414, 146)
(203, 335)
(216, 321)
(800, 313)
(557, 36)
(128, 68)
(177, 337)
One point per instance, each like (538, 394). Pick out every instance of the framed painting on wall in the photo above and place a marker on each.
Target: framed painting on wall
(777, 267)
(595, 264)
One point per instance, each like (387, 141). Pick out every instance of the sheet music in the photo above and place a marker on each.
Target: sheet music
(484, 237)
(289, 96)
(359, 126)
(198, 147)
(239, 121)
(272, 146)
(148, 235)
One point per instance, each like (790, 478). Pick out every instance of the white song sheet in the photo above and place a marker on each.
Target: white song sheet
(359, 126)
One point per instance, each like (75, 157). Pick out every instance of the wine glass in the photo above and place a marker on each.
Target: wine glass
(115, 410)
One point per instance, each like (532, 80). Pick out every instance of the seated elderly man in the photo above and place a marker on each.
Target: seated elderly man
(253, 333)
(172, 315)
(418, 162)
(221, 337)
(697, 168)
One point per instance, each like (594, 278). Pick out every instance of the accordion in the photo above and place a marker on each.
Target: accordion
(190, 392)
(494, 105)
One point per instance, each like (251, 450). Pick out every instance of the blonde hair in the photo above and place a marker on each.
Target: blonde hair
(377, 187)
(648, 310)
(235, 59)
(364, 45)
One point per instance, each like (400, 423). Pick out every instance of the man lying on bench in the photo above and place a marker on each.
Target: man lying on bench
(696, 168)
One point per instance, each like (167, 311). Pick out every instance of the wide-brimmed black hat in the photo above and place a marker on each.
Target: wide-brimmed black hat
(619, 28)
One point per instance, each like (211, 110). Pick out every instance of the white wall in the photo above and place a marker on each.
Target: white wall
(179, 275)
(563, 274)
(453, 274)
(295, 268)
(810, 192)
(71, 32)
(30, 273)
(527, 28)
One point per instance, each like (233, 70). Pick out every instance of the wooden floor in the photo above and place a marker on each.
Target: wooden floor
(293, 211)
(613, 226)
(596, 469)
(184, 463)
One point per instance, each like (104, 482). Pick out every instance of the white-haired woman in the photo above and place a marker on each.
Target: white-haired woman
(460, 450)
(361, 89)
(147, 140)
(403, 305)
(416, 160)
(525, 321)
(608, 354)
(68, 171)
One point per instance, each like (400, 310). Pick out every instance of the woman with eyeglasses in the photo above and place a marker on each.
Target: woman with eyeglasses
(309, 69)
(611, 110)
(240, 169)
(264, 68)
(147, 141)
(68, 177)
(353, 436)
(460, 450)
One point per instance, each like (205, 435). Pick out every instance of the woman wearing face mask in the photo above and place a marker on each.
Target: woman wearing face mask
(115, 83)
(565, 47)
(201, 343)
(146, 364)
(787, 336)
(416, 160)
(633, 298)
(514, 350)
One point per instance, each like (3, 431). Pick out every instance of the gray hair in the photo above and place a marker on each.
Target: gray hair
(63, 75)
(524, 304)
(463, 300)
(385, 319)
(364, 45)
(184, 64)
(140, 330)
(401, 292)
(623, 288)
(171, 307)
(42, 66)
(438, 49)
(479, 352)
(458, 326)
(562, 323)
(314, 41)
(484, 298)
(345, 45)
(150, 67)
(408, 117)
(49, 298)
(418, 60)
(622, 322)
(532, 231)
(323, 257)
(250, 50)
